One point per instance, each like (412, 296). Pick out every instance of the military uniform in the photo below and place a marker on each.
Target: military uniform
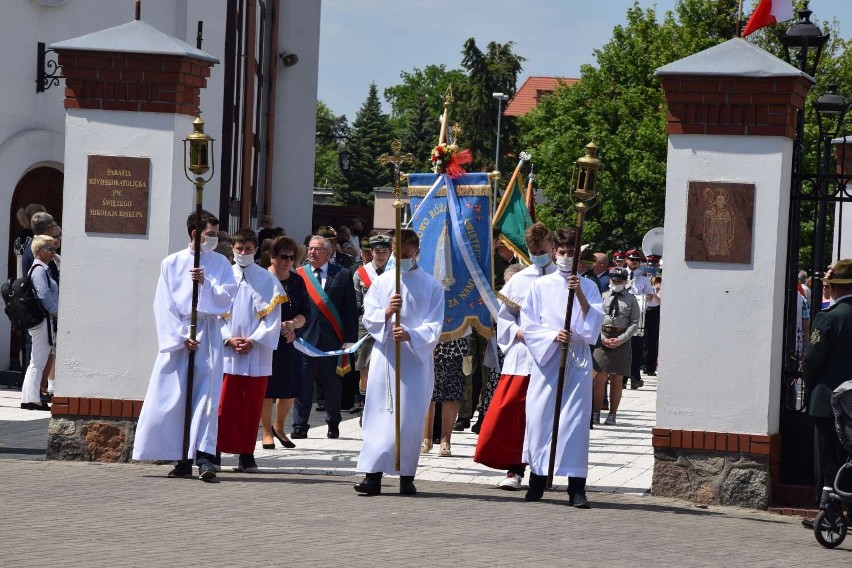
(638, 285)
(621, 320)
(827, 363)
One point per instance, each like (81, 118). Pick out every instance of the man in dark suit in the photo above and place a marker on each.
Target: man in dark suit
(337, 257)
(332, 323)
(827, 363)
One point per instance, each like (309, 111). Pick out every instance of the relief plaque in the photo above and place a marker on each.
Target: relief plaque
(719, 222)
(117, 195)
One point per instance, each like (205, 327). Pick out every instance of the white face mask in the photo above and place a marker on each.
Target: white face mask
(243, 260)
(616, 287)
(208, 244)
(564, 263)
(406, 264)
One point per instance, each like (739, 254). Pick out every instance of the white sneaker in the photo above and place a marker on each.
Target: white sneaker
(511, 483)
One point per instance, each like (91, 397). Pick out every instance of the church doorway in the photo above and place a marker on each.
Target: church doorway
(39, 185)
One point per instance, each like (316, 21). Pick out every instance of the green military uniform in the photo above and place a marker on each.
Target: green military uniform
(621, 320)
(827, 363)
(828, 360)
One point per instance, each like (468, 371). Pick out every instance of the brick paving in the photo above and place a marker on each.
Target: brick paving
(301, 511)
(75, 514)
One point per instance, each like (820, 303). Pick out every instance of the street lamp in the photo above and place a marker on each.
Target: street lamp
(500, 98)
(801, 39)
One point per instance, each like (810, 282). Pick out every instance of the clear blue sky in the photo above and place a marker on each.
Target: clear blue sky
(374, 40)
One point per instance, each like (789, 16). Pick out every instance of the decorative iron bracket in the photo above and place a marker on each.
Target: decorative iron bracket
(47, 70)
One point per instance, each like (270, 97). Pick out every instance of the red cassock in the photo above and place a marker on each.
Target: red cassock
(239, 413)
(501, 439)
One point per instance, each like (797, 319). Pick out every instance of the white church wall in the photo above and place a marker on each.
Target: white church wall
(295, 118)
(718, 319)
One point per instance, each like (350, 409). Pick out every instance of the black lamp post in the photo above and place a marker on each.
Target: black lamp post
(803, 39)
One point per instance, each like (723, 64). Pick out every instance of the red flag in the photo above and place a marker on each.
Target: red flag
(767, 13)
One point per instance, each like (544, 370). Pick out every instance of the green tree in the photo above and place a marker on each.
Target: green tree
(620, 104)
(371, 137)
(494, 70)
(420, 134)
(331, 133)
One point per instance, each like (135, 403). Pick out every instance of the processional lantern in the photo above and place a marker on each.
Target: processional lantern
(587, 174)
(198, 148)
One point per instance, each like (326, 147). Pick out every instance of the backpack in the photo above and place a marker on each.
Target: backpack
(22, 305)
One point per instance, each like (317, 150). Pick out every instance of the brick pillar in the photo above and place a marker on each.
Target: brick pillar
(738, 106)
(133, 81)
(135, 106)
(731, 122)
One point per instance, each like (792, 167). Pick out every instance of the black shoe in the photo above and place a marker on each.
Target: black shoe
(651, 373)
(808, 524)
(461, 425)
(372, 484)
(284, 441)
(320, 405)
(579, 501)
(299, 433)
(624, 383)
(636, 385)
(536, 490)
(206, 471)
(406, 485)
(182, 470)
(246, 464)
(268, 446)
(34, 406)
(478, 426)
(333, 431)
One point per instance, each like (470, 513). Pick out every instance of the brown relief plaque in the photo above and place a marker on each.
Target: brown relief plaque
(117, 195)
(719, 222)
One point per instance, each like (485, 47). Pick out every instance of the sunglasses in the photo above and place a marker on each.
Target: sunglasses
(287, 257)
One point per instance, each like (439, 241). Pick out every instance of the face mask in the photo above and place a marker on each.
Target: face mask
(564, 263)
(406, 264)
(208, 244)
(243, 260)
(616, 287)
(540, 260)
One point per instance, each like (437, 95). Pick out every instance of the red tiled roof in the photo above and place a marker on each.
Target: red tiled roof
(531, 91)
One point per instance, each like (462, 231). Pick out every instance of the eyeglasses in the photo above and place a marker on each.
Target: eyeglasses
(287, 257)
(49, 249)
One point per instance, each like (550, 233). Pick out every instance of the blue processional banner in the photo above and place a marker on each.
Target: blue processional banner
(452, 217)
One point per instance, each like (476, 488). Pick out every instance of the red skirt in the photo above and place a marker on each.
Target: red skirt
(239, 413)
(501, 439)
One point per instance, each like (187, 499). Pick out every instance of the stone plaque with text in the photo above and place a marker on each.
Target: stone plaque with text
(719, 222)
(117, 195)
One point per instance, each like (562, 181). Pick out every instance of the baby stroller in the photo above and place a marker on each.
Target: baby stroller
(831, 523)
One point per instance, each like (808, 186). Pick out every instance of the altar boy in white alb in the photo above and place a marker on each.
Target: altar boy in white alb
(159, 433)
(251, 335)
(543, 321)
(421, 307)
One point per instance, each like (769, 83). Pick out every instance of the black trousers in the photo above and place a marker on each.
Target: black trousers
(476, 346)
(829, 455)
(652, 338)
(636, 357)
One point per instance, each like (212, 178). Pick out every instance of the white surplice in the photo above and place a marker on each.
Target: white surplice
(542, 316)
(516, 356)
(159, 432)
(255, 315)
(422, 316)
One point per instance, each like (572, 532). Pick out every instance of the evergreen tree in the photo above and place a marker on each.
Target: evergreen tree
(331, 133)
(371, 137)
(494, 71)
(421, 134)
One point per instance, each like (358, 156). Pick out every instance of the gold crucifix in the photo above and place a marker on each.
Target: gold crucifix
(396, 159)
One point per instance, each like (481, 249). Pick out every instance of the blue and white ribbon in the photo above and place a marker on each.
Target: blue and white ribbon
(312, 351)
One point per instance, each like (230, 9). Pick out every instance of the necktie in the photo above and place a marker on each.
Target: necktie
(318, 272)
(613, 306)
